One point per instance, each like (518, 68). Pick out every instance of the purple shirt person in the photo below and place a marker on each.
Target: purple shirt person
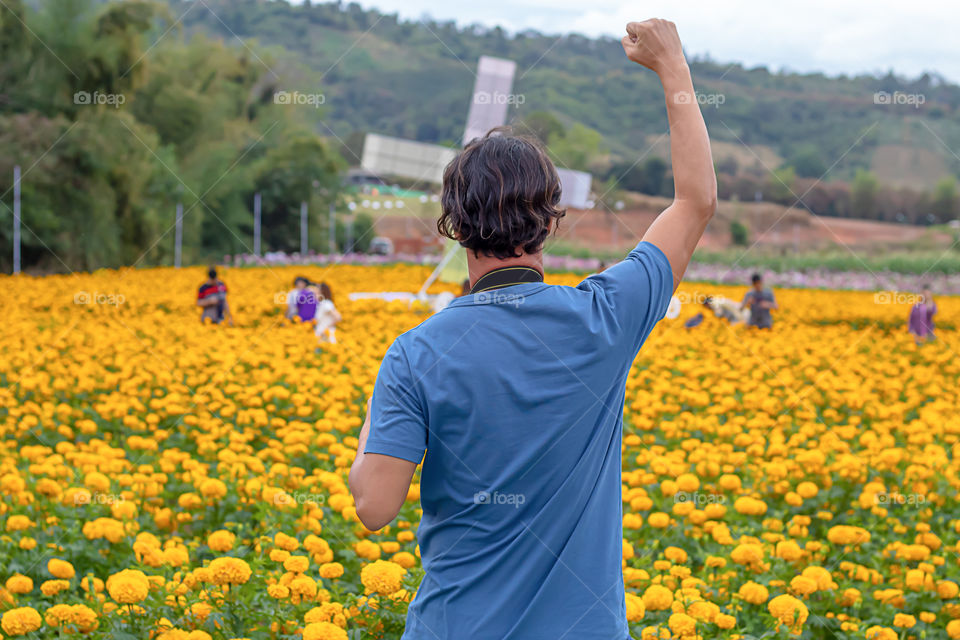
(301, 301)
(921, 317)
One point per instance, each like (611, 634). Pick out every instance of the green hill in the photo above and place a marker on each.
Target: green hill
(413, 79)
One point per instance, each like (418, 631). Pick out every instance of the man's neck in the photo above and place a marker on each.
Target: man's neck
(478, 266)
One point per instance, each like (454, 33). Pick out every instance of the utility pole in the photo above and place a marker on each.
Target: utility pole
(178, 234)
(256, 224)
(16, 219)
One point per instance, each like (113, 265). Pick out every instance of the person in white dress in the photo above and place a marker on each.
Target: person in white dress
(327, 315)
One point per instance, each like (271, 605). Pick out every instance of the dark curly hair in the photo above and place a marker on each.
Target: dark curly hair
(500, 194)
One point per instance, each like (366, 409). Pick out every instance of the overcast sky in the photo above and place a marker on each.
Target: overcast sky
(833, 36)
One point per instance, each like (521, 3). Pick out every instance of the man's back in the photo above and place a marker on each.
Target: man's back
(517, 396)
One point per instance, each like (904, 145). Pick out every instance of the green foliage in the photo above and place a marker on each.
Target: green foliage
(739, 234)
(780, 186)
(944, 204)
(863, 194)
(578, 148)
(807, 161)
(122, 117)
(354, 236)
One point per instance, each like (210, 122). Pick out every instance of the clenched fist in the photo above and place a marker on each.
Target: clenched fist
(654, 44)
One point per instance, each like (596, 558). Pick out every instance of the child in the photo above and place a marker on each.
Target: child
(921, 317)
(327, 315)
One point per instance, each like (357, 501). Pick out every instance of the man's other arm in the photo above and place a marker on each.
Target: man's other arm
(379, 483)
(656, 45)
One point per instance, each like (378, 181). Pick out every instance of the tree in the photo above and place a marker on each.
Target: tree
(944, 203)
(863, 194)
(780, 186)
(739, 235)
(807, 161)
(578, 148)
(542, 125)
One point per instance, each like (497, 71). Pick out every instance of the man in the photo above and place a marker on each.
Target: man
(516, 392)
(760, 301)
(212, 298)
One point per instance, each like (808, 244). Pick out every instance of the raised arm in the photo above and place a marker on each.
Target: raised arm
(656, 45)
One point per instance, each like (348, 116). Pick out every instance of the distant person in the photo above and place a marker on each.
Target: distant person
(212, 298)
(760, 301)
(921, 317)
(327, 315)
(302, 300)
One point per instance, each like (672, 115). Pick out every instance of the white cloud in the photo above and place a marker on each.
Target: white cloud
(817, 35)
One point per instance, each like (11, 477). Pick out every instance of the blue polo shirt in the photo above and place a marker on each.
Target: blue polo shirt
(516, 397)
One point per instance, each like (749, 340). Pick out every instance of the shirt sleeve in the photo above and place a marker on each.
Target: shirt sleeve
(397, 425)
(634, 294)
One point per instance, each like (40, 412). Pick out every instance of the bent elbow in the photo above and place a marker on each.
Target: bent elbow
(707, 206)
(371, 516)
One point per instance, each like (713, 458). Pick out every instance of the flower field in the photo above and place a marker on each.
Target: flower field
(164, 479)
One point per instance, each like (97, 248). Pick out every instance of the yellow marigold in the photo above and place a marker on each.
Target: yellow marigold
(327, 612)
(807, 490)
(877, 632)
(635, 607)
(279, 555)
(682, 625)
(296, 564)
(285, 542)
(788, 611)
(725, 621)
(947, 589)
(128, 586)
(844, 534)
(60, 569)
(331, 570)
(221, 540)
(18, 523)
(229, 571)
(821, 576)
(278, 591)
(323, 631)
(53, 587)
(213, 488)
(953, 629)
(803, 585)
(367, 549)
(658, 520)
(657, 598)
(79, 615)
(675, 554)
(688, 482)
(303, 586)
(19, 584)
(747, 554)
(753, 592)
(788, 550)
(904, 621)
(382, 577)
(21, 621)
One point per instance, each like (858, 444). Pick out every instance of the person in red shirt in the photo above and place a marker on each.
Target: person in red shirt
(212, 298)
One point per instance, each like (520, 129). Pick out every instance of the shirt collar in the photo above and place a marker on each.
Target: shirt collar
(506, 277)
